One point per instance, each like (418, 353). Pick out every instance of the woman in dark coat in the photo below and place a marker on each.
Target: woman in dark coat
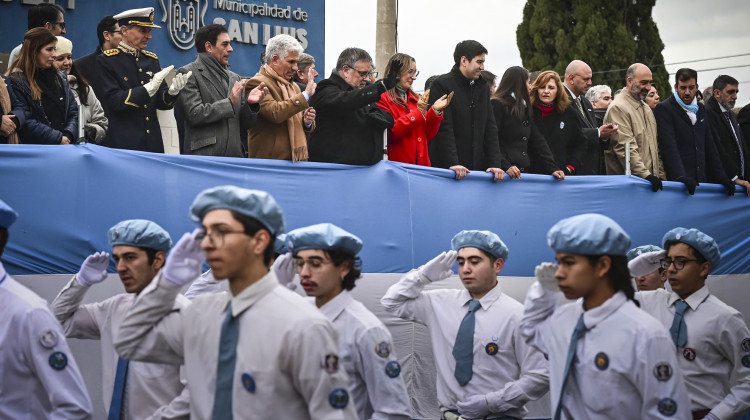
(521, 143)
(44, 93)
(557, 122)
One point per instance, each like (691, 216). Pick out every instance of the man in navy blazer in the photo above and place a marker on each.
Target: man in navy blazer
(686, 145)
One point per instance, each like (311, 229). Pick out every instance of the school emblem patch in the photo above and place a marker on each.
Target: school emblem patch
(689, 354)
(248, 382)
(667, 407)
(663, 371)
(392, 369)
(601, 361)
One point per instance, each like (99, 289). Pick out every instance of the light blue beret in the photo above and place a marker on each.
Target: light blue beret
(257, 204)
(482, 239)
(140, 233)
(703, 243)
(324, 236)
(279, 244)
(588, 234)
(8, 216)
(642, 250)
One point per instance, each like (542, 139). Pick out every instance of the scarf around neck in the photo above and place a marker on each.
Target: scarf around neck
(693, 107)
(297, 138)
(546, 109)
(6, 107)
(217, 71)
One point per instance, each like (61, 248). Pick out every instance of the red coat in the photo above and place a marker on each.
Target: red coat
(411, 132)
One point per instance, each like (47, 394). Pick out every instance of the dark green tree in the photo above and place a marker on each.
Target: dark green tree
(608, 35)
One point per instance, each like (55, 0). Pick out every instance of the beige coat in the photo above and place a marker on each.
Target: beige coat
(268, 138)
(637, 126)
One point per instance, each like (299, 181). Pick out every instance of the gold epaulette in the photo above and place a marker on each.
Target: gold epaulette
(150, 54)
(110, 53)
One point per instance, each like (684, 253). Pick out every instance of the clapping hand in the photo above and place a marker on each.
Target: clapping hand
(442, 103)
(423, 102)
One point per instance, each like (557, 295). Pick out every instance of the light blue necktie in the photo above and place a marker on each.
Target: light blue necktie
(678, 330)
(121, 376)
(463, 349)
(578, 332)
(225, 370)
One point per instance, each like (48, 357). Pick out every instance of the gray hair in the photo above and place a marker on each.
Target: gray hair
(305, 61)
(595, 92)
(350, 56)
(280, 46)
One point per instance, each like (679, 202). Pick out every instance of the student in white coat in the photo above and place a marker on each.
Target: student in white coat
(39, 378)
(131, 390)
(257, 352)
(326, 258)
(485, 370)
(712, 338)
(608, 359)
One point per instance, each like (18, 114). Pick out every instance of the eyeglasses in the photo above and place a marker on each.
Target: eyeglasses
(62, 24)
(314, 264)
(679, 263)
(413, 73)
(116, 32)
(365, 74)
(216, 237)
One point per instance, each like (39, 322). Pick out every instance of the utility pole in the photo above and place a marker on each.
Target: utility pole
(385, 33)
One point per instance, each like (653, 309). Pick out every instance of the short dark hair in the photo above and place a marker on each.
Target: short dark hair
(3, 239)
(251, 226)
(468, 49)
(209, 33)
(685, 74)
(339, 257)
(350, 56)
(488, 76)
(429, 81)
(151, 254)
(106, 24)
(722, 81)
(41, 13)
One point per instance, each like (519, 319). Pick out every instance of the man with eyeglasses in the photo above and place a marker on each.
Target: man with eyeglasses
(109, 34)
(636, 130)
(711, 338)
(131, 390)
(326, 258)
(350, 125)
(257, 352)
(43, 15)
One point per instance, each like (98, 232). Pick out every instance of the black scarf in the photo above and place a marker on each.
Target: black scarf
(53, 97)
(217, 71)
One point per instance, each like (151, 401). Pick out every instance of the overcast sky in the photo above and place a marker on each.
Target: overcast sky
(430, 29)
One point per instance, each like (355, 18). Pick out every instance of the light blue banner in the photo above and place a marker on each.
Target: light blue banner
(68, 196)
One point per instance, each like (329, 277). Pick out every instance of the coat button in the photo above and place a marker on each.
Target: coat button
(140, 70)
(523, 153)
(412, 118)
(145, 106)
(148, 131)
(523, 138)
(141, 81)
(296, 102)
(419, 138)
(146, 118)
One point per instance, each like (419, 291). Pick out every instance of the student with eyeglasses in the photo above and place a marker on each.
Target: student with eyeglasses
(712, 338)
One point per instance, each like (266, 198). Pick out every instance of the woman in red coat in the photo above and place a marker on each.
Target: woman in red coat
(415, 125)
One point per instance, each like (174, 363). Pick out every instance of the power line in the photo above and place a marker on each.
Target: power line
(722, 68)
(658, 65)
(706, 59)
(683, 62)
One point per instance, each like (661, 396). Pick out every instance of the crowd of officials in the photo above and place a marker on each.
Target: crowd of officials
(466, 120)
(242, 343)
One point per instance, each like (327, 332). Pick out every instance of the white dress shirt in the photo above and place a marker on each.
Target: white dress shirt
(625, 366)
(39, 378)
(282, 348)
(717, 342)
(509, 378)
(152, 390)
(366, 350)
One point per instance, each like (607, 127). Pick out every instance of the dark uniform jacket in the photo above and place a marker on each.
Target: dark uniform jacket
(521, 143)
(564, 137)
(468, 134)
(592, 162)
(687, 149)
(131, 112)
(726, 144)
(86, 67)
(349, 125)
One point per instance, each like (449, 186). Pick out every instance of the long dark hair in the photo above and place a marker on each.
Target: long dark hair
(619, 275)
(513, 92)
(33, 42)
(83, 86)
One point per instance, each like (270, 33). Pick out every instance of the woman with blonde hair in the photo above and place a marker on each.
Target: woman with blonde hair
(557, 121)
(415, 122)
(44, 93)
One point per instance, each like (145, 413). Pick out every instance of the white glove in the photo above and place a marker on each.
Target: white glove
(439, 268)
(709, 416)
(646, 263)
(94, 269)
(474, 407)
(153, 86)
(545, 275)
(178, 82)
(184, 261)
(285, 269)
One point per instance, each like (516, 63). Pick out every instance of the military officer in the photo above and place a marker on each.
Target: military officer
(40, 378)
(257, 352)
(484, 369)
(131, 390)
(328, 266)
(131, 81)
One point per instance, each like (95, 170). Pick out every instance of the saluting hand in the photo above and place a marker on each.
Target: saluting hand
(439, 268)
(184, 261)
(285, 269)
(94, 269)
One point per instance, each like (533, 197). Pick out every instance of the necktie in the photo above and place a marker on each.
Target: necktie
(463, 349)
(225, 370)
(121, 376)
(729, 115)
(580, 107)
(578, 332)
(678, 330)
